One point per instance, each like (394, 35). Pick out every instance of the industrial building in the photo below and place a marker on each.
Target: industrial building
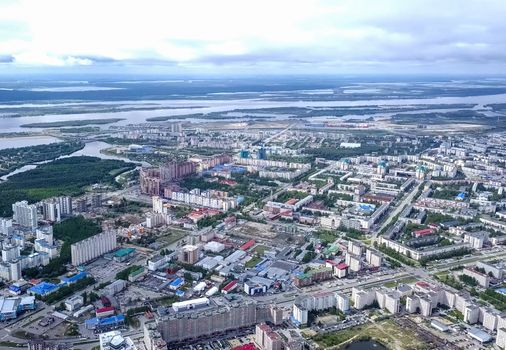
(11, 307)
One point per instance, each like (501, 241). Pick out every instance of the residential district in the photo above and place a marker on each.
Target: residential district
(254, 244)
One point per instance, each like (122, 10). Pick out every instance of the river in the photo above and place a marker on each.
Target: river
(91, 149)
(25, 141)
(186, 107)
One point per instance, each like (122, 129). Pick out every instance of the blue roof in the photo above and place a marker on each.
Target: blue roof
(177, 282)
(14, 288)
(501, 290)
(75, 278)
(43, 288)
(367, 206)
(112, 320)
(92, 321)
(95, 321)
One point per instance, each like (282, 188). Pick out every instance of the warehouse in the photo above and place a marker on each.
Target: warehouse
(439, 326)
(479, 335)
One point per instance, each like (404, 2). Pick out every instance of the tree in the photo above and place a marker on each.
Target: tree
(60, 307)
(93, 297)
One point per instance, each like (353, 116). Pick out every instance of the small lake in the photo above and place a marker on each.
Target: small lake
(365, 345)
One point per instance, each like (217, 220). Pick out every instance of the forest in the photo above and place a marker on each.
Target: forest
(66, 176)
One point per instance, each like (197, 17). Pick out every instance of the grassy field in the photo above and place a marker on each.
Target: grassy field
(393, 284)
(251, 263)
(260, 249)
(386, 332)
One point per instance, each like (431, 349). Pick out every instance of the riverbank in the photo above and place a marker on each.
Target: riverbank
(81, 122)
(12, 159)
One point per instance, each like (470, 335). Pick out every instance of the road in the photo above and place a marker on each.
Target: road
(270, 138)
(405, 201)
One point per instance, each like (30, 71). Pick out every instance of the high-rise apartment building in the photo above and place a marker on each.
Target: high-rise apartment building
(93, 247)
(206, 318)
(65, 205)
(5, 226)
(81, 205)
(189, 254)
(25, 214)
(96, 200)
(51, 210)
(152, 179)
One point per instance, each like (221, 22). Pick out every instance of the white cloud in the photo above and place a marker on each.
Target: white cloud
(291, 33)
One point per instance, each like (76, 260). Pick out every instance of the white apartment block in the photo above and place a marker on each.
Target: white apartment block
(353, 262)
(93, 247)
(204, 201)
(65, 205)
(5, 226)
(475, 239)
(482, 278)
(342, 302)
(355, 248)
(51, 211)
(373, 258)
(500, 339)
(25, 214)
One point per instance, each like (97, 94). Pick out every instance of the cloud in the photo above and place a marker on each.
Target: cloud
(283, 34)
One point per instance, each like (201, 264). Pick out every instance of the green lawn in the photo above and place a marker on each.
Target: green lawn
(251, 263)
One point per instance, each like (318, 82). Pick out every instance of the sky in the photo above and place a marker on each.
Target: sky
(253, 36)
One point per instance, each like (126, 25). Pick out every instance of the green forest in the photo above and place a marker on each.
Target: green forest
(67, 176)
(13, 158)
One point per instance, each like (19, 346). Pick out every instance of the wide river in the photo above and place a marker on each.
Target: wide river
(186, 107)
(24, 141)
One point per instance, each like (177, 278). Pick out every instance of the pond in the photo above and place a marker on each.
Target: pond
(365, 345)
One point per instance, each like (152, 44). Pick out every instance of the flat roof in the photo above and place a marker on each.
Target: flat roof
(187, 303)
(479, 335)
(8, 305)
(123, 252)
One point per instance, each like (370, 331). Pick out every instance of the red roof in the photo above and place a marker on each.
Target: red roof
(423, 284)
(339, 266)
(342, 266)
(230, 286)
(249, 346)
(247, 245)
(423, 232)
(104, 309)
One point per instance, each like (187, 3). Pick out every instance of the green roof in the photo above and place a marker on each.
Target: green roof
(123, 252)
(331, 249)
(137, 271)
(312, 272)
